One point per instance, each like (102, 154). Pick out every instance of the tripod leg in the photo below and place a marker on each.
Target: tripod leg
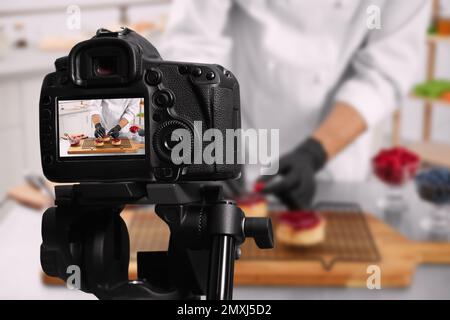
(221, 271)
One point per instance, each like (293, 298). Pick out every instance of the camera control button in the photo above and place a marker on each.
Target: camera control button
(46, 114)
(47, 159)
(163, 98)
(46, 100)
(62, 64)
(46, 143)
(210, 75)
(183, 69)
(165, 173)
(47, 140)
(47, 127)
(227, 73)
(196, 72)
(50, 81)
(64, 79)
(153, 77)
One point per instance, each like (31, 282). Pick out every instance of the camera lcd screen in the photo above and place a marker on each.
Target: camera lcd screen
(101, 127)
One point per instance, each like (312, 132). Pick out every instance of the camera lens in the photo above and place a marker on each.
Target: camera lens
(105, 66)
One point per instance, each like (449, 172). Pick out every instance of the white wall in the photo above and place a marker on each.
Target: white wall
(412, 110)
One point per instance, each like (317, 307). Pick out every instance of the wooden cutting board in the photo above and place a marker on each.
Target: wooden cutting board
(354, 242)
(396, 259)
(87, 147)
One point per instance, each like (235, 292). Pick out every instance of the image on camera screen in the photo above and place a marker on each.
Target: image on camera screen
(101, 127)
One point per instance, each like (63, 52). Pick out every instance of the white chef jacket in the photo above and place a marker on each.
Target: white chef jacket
(112, 110)
(295, 59)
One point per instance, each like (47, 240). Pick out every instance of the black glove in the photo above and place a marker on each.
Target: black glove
(114, 132)
(100, 132)
(295, 182)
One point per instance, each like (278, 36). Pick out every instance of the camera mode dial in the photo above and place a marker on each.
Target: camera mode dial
(165, 139)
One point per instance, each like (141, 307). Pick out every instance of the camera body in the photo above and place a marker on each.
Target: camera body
(112, 69)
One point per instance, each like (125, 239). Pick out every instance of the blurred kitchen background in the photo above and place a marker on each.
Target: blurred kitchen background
(34, 33)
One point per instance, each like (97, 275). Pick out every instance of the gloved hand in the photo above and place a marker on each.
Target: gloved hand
(295, 185)
(114, 132)
(100, 132)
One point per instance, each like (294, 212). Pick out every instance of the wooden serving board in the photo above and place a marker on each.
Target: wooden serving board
(87, 147)
(397, 261)
(354, 242)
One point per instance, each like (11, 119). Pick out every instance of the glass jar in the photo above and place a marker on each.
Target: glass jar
(437, 223)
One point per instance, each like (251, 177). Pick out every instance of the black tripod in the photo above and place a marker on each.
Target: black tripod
(85, 229)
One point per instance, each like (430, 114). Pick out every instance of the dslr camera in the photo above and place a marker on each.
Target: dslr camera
(115, 112)
(112, 107)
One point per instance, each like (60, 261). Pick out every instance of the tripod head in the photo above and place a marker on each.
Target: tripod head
(85, 229)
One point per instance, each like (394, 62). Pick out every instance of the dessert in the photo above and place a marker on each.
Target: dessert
(433, 185)
(395, 166)
(98, 142)
(74, 139)
(300, 228)
(134, 129)
(75, 142)
(76, 136)
(116, 142)
(253, 205)
(259, 187)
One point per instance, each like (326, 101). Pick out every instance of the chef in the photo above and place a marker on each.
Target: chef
(319, 71)
(114, 115)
